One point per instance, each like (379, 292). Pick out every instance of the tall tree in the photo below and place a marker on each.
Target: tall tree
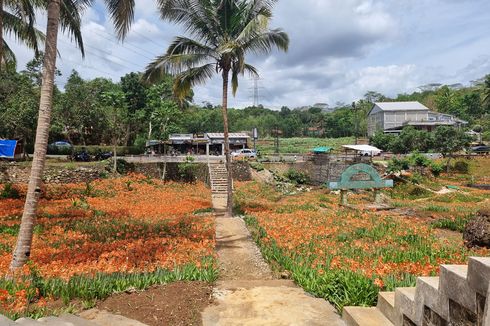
(64, 14)
(222, 33)
(17, 18)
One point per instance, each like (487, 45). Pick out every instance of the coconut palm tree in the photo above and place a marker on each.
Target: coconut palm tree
(17, 18)
(222, 33)
(64, 14)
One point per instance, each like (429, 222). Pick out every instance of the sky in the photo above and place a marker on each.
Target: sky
(339, 49)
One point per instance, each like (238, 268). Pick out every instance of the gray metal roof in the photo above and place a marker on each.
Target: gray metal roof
(401, 106)
(230, 135)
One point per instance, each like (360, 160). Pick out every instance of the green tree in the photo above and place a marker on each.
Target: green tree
(64, 14)
(165, 116)
(449, 140)
(223, 32)
(116, 111)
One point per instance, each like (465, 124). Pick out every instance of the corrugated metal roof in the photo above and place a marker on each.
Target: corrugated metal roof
(181, 137)
(401, 106)
(363, 148)
(214, 135)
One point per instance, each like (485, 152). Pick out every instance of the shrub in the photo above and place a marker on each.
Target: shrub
(397, 165)
(419, 160)
(188, 170)
(123, 167)
(257, 166)
(9, 191)
(297, 177)
(461, 167)
(436, 169)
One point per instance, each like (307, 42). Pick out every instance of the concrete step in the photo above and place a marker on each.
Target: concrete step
(55, 321)
(428, 295)
(386, 305)
(7, 322)
(454, 285)
(76, 321)
(361, 316)
(104, 318)
(28, 322)
(405, 304)
(479, 274)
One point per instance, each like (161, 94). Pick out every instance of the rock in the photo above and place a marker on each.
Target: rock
(477, 231)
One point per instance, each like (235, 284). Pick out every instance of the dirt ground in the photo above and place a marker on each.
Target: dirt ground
(178, 303)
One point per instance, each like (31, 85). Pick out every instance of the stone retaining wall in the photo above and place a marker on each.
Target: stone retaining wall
(19, 173)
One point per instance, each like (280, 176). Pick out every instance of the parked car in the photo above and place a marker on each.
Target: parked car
(482, 149)
(60, 147)
(245, 153)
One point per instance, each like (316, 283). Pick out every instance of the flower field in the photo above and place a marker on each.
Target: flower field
(106, 235)
(347, 256)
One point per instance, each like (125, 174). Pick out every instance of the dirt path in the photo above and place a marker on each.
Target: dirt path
(248, 294)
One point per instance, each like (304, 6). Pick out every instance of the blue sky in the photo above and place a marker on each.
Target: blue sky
(340, 49)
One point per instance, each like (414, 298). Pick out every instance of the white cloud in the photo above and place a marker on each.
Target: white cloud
(339, 49)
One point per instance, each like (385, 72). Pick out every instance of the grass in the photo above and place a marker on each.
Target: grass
(90, 289)
(457, 224)
(300, 145)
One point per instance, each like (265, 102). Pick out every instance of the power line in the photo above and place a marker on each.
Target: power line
(108, 59)
(127, 43)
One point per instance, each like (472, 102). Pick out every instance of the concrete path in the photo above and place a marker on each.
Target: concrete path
(248, 294)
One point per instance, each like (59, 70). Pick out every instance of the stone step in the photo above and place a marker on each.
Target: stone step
(479, 274)
(104, 318)
(428, 295)
(454, 285)
(386, 305)
(28, 322)
(361, 316)
(405, 304)
(76, 321)
(55, 321)
(7, 322)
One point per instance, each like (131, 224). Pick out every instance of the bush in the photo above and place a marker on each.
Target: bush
(257, 166)
(297, 177)
(122, 166)
(419, 160)
(10, 192)
(397, 165)
(461, 167)
(436, 169)
(188, 170)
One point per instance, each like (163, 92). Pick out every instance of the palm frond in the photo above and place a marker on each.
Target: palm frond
(9, 58)
(71, 21)
(122, 15)
(184, 81)
(265, 41)
(22, 31)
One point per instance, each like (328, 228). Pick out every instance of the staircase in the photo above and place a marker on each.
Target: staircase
(218, 176)
(459, 296)
(94, 317)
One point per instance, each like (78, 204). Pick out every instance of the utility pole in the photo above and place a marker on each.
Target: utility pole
(356, 121)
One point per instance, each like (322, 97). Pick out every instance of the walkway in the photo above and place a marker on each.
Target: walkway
(248, 294)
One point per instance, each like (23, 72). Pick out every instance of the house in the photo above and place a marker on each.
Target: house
(392, 117)
(206, 144)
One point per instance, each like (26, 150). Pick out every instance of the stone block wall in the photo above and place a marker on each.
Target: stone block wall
(19, 173)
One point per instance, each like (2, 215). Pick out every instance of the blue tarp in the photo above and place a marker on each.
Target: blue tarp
(7, 148)
(322, 150)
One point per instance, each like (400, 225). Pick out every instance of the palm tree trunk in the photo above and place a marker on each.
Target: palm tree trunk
(1, 34)
(229, 185)
(22, 250)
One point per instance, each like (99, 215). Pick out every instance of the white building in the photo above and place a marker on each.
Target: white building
(392, 117)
